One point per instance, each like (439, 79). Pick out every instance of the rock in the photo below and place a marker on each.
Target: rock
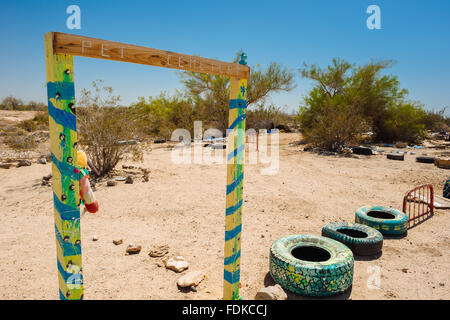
(129, 180)
(42, 161)
(133, 249)
(117, 242)
(405, 270)
(5, 165)
(271, 293)
(145, 178)
(111, 183)
(24, 163)
(95, 237)
(191, 279)
(46, 180)
(159, 251)
(177, 264)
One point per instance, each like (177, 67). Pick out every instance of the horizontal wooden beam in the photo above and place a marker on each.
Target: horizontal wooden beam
(75, 45)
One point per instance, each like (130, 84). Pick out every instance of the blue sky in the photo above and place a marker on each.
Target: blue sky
(415, 33)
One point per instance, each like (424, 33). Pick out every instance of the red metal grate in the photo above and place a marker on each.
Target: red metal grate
(419, 202)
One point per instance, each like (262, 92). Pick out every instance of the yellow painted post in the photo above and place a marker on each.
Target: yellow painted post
(234, 197)
(65, 178)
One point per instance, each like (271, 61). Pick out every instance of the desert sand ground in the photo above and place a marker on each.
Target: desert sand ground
(184, 205)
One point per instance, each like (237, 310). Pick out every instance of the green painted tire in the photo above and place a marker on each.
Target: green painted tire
(398, 225)
(330, 276)
(361, 239)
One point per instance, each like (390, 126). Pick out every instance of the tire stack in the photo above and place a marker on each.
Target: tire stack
(317, 266)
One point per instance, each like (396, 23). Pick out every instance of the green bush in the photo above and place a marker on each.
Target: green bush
(103, 125)
(161, 115)
(357, 99)
(263, 117)
(332, 126)
(405, 123)
(436, 121)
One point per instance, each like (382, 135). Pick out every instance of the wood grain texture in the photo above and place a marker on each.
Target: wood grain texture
(102, 49)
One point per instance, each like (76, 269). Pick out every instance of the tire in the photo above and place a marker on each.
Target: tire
(400, 157)
(362, 240)
(446, 191)
(397, 225)
(362, 151)
(425, 159)
(333, 274)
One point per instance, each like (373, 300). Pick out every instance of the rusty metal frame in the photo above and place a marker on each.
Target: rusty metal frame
(419, 202)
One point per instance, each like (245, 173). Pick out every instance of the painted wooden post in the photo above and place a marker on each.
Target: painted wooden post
(66, 195)
(235, 179)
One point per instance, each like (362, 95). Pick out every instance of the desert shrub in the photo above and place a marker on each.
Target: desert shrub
(12, 103)
(265, 117)
(436, 120)
(37, 106)
(19, 139)
(160, 116)
(41, 118)
(333, 126)
(365, 94)
(210, 94)
(107, 131)
(405, 123)
(28, 125)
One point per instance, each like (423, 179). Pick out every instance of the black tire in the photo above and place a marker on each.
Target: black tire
(400, 157)
(362, 151)
(425, 159)
(361, 239)
(384, 219)
(291, 266)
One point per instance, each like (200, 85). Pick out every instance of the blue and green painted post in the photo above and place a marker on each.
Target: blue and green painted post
(235, 181)
(63, 146)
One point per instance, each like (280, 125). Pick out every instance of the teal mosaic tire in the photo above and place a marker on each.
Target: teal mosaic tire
(361, 239)
(396, 226)
(333, 274)
(446, 192)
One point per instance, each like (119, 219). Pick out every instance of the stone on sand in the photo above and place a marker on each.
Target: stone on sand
(275, 292)
(159, 251)
(177, 264)
(191, 279)
(133, 249)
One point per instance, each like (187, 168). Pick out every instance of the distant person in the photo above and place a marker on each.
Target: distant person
(86, 194)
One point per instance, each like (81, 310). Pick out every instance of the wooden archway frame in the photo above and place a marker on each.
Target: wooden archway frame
(59, 51)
